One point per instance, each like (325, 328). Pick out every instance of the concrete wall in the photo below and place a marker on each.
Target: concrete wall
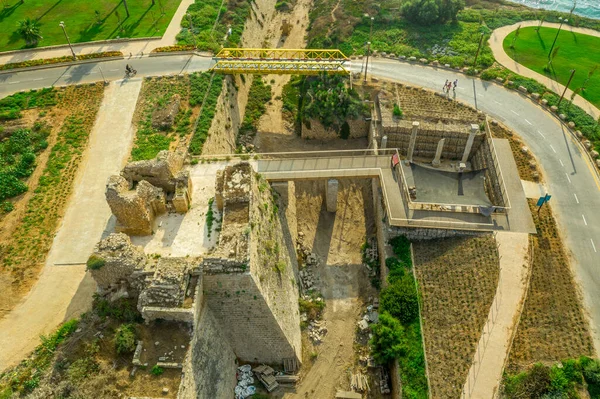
(210, 367)
(428, 137)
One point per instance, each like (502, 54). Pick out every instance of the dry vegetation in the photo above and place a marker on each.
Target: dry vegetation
(553, 325)
(27, 232)
(526, 163)
(80, 360)
(457, 279)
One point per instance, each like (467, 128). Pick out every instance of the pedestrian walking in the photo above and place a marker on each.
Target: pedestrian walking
(445, 85)
(455, 84)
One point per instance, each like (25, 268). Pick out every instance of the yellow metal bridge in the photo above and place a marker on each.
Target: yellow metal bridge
(280, 61)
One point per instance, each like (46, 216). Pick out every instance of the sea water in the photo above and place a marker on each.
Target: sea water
(586, 8)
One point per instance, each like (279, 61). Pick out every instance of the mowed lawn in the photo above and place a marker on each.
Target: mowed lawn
(85, 20)
(576, 51)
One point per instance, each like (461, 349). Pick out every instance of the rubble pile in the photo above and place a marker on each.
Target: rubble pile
(371, 316)
(244, 388)
(316, 331)
(266, 375)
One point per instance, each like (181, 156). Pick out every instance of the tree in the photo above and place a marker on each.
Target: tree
(512, 45)
(29, 29)
(388, 340)
(427, 12)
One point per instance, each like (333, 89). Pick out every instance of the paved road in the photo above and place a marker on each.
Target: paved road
(570, 178)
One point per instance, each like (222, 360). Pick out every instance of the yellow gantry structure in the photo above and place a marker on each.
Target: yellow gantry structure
(279, 67)
(280, 61)
(276, 54)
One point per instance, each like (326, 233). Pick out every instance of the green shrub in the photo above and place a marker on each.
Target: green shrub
(401, 247)
(400, 299)
(428, 12)
(157, 370)
(388, 340)
(312, 307)
(123, 309)
(86, 365)
(396, 268)
(95, 262)
(125, 338)
(208, 111)
(6, 206)
(398, 111)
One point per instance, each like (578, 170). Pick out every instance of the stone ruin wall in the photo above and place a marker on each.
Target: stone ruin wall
(257, 309)
(428, 137)
(209, 370)
(422, 233)
(358, 128)
(482, 159)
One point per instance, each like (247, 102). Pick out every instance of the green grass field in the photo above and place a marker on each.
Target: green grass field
(576, 51)
(85, 20)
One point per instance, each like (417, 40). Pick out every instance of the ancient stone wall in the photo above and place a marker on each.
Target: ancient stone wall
(173, 314)
(258, 308)
(162, 171)
(482, 159)
(209, 371)
(358, 128)
(120, 257)
(428, 137)
(222, 265)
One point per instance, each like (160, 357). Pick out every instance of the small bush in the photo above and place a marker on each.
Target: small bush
(125, 339)
(124, 309)
(398, 111)
(312, 307)
(157, 370)
(400, 299)
(95, 262)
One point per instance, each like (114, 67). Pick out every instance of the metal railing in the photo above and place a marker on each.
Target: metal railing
(281, 54)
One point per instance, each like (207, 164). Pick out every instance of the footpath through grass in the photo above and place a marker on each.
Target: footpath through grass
(575, 51)
(85, 21)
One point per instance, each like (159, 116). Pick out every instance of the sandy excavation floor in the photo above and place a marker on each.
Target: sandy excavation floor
(336, 239)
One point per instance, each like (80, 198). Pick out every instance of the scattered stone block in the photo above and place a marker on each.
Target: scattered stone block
(587, 144)
(535, 96)
(571, 125)
(412, 58)
(499, 79)
(594, 154)
(562, 116)
(578, 134)
(522, 89)
(544, 102)
(554, 108)
(447, 66)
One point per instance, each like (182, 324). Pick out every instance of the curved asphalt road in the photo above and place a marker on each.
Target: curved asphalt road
(570, 178)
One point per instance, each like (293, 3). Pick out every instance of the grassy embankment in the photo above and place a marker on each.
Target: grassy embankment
(23, 253)
(85, 21)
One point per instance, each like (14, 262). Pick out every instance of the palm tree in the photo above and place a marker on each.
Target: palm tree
(29, 29)
(541, 22)
(552, 56)
(512, 45)
(590, 74)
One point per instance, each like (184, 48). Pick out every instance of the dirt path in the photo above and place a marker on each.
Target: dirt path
(492, 350)
(336, 239)
(63, 289)
(497, 39)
